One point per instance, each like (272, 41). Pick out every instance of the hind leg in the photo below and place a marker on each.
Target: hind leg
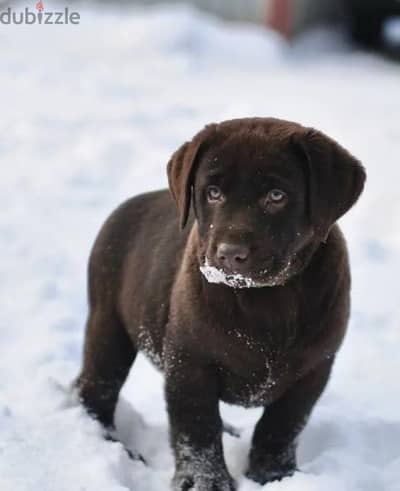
(108, 356)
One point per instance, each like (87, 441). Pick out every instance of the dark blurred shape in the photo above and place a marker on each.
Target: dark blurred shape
(373, 24)
(370, 23)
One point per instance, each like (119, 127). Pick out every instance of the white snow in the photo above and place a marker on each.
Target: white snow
(218, 276)
(89, 116)
(237, 280)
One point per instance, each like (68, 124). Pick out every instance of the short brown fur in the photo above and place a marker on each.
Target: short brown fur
(270, 346)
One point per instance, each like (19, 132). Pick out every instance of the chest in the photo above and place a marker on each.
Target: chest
(256, 366)
(256, 378)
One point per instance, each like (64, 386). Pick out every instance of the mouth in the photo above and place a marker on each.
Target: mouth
(261, 279)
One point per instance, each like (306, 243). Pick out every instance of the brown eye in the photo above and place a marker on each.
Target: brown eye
(214, 193)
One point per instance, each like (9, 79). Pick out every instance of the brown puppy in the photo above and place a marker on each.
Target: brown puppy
(248, 304)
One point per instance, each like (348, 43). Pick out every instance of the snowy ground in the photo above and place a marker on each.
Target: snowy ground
(89, 116)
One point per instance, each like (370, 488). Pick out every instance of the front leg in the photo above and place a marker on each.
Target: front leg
(195, 425)
(273, 450)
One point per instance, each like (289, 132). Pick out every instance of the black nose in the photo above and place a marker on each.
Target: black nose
(232, 256)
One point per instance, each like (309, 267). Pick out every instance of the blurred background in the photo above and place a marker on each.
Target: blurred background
(371, 23)
(90, 114)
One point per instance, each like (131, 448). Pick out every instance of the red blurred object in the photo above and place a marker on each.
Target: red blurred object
(280, 16)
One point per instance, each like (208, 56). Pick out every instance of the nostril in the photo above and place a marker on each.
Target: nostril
(240, 258)
(240, 254)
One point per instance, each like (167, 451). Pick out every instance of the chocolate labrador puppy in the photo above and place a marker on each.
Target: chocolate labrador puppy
(236, 284)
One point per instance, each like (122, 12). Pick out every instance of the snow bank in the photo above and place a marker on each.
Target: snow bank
(90, 115)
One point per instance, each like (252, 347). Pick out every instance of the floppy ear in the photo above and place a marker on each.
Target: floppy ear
(181, 170)
(335, 180)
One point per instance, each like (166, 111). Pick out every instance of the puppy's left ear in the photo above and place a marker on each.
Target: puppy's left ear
(335, 179)
(181, 170)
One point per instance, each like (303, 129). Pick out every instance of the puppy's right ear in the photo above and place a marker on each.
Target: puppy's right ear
(182, 169)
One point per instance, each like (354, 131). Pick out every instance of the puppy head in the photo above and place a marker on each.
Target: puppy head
(265, 194)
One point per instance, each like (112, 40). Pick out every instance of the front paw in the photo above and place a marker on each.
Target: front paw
(199, 482)
(268, 468)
